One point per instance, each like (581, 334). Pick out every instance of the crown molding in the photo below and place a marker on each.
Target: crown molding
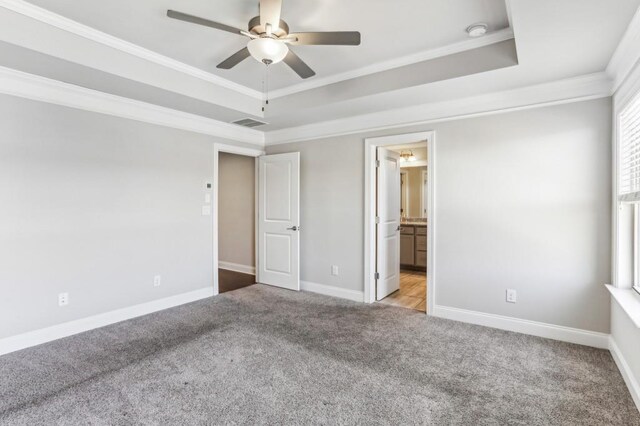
(21, 84)
(627, 54)
(43, 15)
(591, 86)
(472, 43)
(29, 86)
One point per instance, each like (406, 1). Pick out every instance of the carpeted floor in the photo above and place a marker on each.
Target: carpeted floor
(261, 355)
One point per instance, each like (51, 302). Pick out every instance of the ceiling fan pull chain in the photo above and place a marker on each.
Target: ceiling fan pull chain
(264, 91)
(265, 86)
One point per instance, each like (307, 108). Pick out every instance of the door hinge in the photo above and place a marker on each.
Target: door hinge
(377, 163)
(377, 219)
(377, 275)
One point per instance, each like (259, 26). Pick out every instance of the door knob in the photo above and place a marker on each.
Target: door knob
(294, 228)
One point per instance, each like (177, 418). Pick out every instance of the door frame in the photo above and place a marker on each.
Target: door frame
(370, 145)
(238, 150)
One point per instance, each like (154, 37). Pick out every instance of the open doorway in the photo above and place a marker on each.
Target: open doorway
(409, 288)
(256, 218)
(236, 221)
(399, 221)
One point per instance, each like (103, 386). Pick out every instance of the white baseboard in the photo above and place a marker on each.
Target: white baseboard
(329, 290)
(236, 267)
(625, 370)
(37, 337)
(534, 328)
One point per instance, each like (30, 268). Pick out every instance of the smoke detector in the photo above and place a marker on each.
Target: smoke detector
(477, 30)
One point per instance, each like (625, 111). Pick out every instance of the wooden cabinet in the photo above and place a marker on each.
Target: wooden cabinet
(407, 252)
(413, 246)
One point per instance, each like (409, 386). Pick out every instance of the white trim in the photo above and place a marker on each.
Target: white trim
(29, 86)
(534, 328)
(329, 290)
(626, 372)
(236, 267)
(231, 149)
(577, 89)
(37, 337)
(462, 46)
(629, 302)
(74, 27)
(627, 54)
(370, 146)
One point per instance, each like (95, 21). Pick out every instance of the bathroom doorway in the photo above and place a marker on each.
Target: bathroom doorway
(398, 221)
(411, 291)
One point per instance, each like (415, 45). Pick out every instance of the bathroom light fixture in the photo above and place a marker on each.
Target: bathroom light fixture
(407, 156)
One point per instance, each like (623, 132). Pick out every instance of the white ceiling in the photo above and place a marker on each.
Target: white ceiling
(555, 40)
(390, 29)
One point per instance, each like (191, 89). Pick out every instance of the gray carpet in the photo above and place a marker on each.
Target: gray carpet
(260, 355)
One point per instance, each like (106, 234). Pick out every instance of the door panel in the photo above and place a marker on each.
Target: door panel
(279, 220)
(388, 227)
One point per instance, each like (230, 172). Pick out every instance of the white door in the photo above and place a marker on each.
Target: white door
(279, 220)
(388, 223)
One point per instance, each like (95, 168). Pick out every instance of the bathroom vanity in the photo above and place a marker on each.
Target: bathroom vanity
(413, 245)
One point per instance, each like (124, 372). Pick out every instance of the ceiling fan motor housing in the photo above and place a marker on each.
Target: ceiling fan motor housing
(256, 28)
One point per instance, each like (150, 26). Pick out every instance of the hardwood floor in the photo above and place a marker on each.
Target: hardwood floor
(412, 293)
(231, 280)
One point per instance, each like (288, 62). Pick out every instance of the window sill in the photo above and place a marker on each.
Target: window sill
(628, 300)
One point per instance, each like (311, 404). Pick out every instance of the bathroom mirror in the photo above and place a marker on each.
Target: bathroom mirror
(413, 192)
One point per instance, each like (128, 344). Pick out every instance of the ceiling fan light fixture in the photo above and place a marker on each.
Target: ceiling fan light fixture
(267, 50)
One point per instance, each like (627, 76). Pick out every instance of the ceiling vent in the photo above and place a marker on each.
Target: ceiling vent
(249, 122)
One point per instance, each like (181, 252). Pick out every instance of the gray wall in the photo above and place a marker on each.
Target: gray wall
(523, 201)
(236, 209)
(96, 206)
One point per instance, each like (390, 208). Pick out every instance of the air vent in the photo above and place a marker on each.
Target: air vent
(249, 122)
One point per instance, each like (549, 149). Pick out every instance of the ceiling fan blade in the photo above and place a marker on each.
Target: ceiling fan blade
(340, 38)
(298, 65)
(201, 21)
(234, 59)
(270, 13)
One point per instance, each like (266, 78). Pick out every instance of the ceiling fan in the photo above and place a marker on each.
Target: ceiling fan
(270, 38)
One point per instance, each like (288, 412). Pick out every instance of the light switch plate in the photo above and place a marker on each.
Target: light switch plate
(63, 299)
(207, 198)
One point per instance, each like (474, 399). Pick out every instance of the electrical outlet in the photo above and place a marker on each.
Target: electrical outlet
(63, 299)
(511, 295)
(156, 280)
(334, 270)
